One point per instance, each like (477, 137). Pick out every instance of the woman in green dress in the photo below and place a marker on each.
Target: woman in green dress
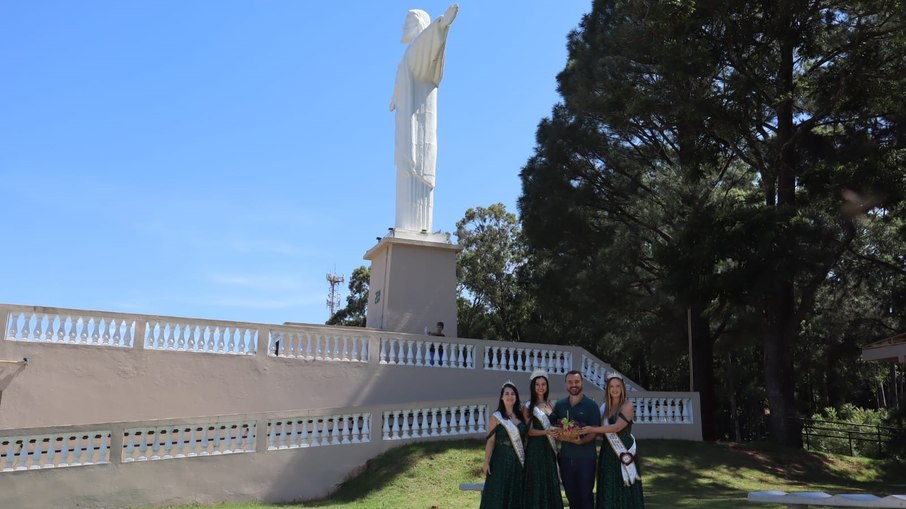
(504, 455)
(542, 481)
(619, 483)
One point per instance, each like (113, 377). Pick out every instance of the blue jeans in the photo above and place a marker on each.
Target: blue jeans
(578, 477)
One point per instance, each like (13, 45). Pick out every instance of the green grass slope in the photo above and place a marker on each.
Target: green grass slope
(675, 474)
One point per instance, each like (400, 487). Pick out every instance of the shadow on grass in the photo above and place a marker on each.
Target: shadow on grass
(381, 471)
(713, 476)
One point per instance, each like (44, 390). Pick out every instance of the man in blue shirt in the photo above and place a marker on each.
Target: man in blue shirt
(578, 458)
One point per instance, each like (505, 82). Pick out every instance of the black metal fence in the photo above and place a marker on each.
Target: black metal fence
(846, 437)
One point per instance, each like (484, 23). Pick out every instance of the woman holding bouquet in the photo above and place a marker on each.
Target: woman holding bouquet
(542, 481)
(504, 455)
(619, 483)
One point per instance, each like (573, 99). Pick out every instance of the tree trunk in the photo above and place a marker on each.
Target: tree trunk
(781, 331)
(703, 371)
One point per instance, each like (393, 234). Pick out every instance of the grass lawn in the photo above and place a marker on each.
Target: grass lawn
(675, 474)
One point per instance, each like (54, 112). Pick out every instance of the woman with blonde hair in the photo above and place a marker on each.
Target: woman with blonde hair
(619, 483)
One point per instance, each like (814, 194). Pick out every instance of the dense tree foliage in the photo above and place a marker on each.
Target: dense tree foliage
(355, 311)
(733, 172)
(491, 301)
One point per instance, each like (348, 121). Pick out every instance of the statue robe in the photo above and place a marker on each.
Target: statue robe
(415, 150)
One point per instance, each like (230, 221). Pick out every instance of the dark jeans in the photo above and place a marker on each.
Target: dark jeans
(578, 477)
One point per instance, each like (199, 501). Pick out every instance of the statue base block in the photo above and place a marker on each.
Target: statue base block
(413, 283)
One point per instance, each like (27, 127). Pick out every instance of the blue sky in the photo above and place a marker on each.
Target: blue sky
(216, 158)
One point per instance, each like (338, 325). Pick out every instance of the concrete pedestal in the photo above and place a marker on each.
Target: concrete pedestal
(413, 284)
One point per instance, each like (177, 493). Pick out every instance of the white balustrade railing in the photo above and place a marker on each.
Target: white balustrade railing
(417, 352)
(514, 358)
(662, 410)
(72, 328)
(205, 337)
(597, 373)
(187, 440)
(317, 346)
(318, 431)
(54, 450)
(434, 422)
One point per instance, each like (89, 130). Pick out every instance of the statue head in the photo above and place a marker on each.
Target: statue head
(416, 21)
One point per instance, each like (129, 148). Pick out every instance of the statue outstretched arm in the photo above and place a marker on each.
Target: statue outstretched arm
(449, 16)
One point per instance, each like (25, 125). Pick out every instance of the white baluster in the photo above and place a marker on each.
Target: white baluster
(155, 444)
(179, 442)
(385, 429)
(169, 332)
(127, 338)
(10, 448)
(410, 358)
(11, 331)
(444, 424)
(335, 430)
(26, 327)
(50, 458)
(343, 426)
(487, 361)
(393, 357)
(193, 441)
(37, 453)
(167, 438)
(431, 422)
(382, 354)
(39, 329)
(407, 423)
(205, 440)
(366, 427)
(281, 435)
(104, 449)
(104, 327)
(205, 339)
(304, 434)
(317, 432)
(230, 342)
(420, 427)
(219, 431)
(462, 422)
(356, 429)
(77, 451)
(355, 349)
(398, 425)
(181, 342)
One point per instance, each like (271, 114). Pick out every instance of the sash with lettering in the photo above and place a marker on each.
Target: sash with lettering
(515, 437)
(626, 457)
(546, 424)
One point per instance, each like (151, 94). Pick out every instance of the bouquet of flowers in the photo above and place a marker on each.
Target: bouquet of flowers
(569, 429)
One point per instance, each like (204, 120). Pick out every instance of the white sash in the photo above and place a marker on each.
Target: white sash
(626, 457)
(546, 424)
(515, 437)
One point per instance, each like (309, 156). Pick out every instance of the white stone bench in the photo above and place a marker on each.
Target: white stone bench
(803, 499)
(471, 486)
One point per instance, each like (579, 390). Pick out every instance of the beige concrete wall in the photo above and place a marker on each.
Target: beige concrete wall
(417, 285)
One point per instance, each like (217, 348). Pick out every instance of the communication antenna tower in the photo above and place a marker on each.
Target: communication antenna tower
(333, 297)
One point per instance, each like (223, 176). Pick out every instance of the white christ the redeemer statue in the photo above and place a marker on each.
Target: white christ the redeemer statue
(415, 103)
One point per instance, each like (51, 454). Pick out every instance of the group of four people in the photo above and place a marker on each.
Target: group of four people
(522, 465)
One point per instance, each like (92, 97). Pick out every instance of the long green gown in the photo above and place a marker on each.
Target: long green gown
(503, 486)
(611, 493)
(542, 482)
